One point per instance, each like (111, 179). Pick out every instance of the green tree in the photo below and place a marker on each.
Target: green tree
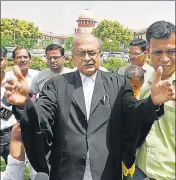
(68, 44)
(113, 34)
(113, 64)
(19, 32)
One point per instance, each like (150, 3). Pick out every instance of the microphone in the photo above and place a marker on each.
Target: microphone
(41, 176)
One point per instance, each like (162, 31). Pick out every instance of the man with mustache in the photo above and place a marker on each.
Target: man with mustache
(137, 55)
(85, 123)
(156, 156)
(22, 58)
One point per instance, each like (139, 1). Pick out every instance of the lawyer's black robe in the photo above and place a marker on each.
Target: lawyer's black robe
(44, 126)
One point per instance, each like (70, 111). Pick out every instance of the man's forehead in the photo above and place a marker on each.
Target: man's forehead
(87, 45)
(134, 48)
(155, 43)
(21, 51)
(86, 41)
(54, 51)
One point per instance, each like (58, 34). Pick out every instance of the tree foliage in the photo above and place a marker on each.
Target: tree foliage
(68, 44)
(24, 33)
(113, 35)
(113, 64)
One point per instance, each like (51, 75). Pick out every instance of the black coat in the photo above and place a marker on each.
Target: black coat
(56, 134)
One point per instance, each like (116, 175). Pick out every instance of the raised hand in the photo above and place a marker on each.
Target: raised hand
(162, 90)
(17, 89)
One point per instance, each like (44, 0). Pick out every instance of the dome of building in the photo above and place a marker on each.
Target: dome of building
(86, 14)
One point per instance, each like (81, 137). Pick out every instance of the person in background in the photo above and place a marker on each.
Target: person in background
(137, 55)
(156, 156)
(7, 118)
(135, 74)
(22, 58)
(55, 59)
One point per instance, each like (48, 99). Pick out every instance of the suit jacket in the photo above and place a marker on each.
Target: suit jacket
(57, 136)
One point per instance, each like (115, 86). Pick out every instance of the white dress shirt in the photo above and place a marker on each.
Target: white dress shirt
(88, 83)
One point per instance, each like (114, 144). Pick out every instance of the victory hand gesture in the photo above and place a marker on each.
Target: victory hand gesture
(162, 90)
(17, 89)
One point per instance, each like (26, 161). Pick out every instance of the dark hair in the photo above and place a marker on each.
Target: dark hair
(159, 30)
(20, 48)
(139, 42)
(134, 71)
(3, 51)
(55, 47)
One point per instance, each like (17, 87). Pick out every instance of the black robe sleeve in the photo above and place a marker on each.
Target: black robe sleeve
(138, 117)
(37, 122)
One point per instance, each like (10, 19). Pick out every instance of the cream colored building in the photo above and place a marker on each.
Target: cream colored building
(55, 38)
(140, 34)
(86, 22)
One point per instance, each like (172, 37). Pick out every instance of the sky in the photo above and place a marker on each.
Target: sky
(60, 17)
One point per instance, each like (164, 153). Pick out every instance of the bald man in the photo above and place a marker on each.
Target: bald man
(84, 123)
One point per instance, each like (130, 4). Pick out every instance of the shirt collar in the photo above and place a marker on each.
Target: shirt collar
(144, 66)
(83, 77)
(30, 73)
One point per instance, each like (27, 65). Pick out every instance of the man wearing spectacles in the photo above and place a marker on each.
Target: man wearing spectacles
(85, 123)
(91, 54)
(137, 55)
(55, 59)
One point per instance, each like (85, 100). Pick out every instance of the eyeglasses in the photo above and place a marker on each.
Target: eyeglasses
(56, 58)
(135, 54)
(170, 52)
(91, 54)
(20, 57)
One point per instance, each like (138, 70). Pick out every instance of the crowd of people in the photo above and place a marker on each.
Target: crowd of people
(87, 123)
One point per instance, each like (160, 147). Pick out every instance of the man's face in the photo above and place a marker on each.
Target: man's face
(137, 57)
(136, 84)
(55, 60)
(87, 55)
(162, 53)
(22, 59)
(3, 64)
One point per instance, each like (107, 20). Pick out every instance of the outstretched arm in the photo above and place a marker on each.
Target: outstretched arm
(37, 119)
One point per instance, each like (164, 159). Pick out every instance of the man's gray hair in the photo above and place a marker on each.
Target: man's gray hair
(134, 71)
(91, 35)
